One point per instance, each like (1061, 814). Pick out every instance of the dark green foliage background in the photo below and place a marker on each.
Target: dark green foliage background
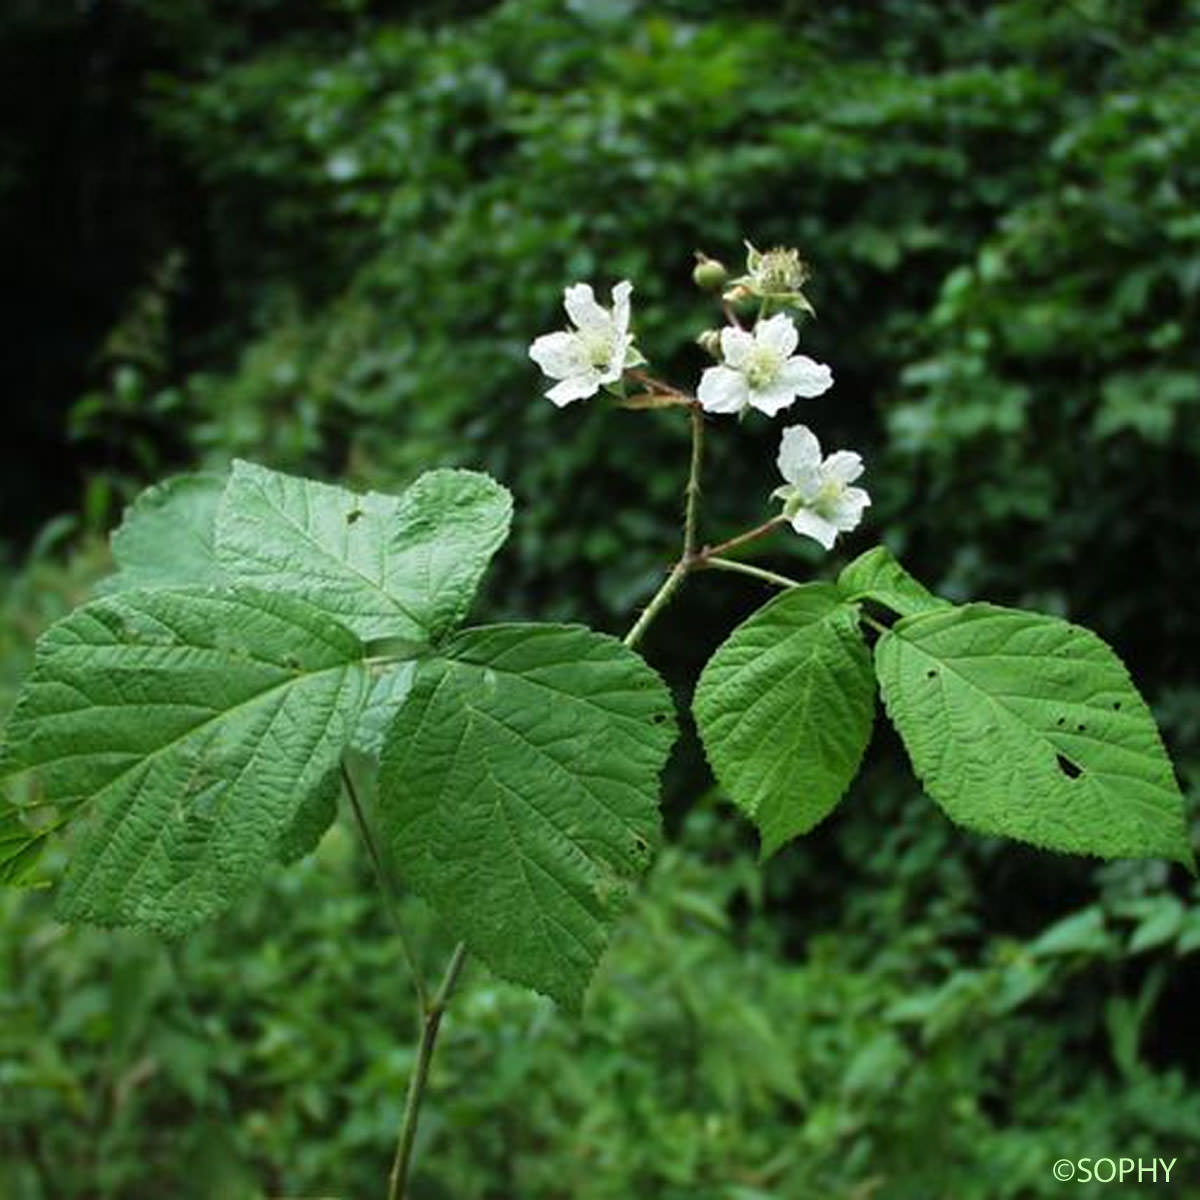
(321, 234)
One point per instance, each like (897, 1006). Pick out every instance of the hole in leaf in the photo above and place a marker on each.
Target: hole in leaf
(353, 515)
(659, 718)
(1068, 768)
(1116, 705)
(930, 673)
(1062, 720)
(1080, 727)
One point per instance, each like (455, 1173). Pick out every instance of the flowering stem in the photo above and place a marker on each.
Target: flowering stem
(693, 484)
(730, 564)
(431, 1021)
(658, 602)
(742, 538)
(688, 559)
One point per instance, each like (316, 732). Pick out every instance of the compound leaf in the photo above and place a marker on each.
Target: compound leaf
(1025, 725)
(166, 538)
(784, 709)
(190, 727)
(519, 792)
(876, 575)
(387, 566)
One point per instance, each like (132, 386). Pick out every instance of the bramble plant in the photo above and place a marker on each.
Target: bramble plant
(270, 645)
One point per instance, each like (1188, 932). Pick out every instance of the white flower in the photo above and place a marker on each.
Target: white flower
(760, 372)
(595, 352)
(816, 498)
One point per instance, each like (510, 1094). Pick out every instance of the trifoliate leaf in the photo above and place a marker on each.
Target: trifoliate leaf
(386, 566)
(519, 792)
(876, 575)
(167, 537)
(1027, 726)
(190, 727)
(784, 709)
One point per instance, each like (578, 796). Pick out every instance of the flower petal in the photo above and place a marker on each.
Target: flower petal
(806, 377)
(848, 512)
(844, 465)
(575, 387)
(772, 400)
(799, 453)
(580, 302)
(777, 333)
(736, 345)
(559, 354)
(620, 310)
(723, 390)
(807, 522)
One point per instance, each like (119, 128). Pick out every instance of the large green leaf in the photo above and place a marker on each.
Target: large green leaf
(191, 727)
(20, 846)
(519, 791)
(784, 709)
(1024, 725)
(167, 536)
(387, 566)
(876, 575)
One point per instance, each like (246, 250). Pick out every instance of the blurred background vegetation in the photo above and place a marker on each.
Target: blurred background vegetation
(320, 234)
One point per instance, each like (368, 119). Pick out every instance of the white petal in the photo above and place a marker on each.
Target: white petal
(576, 387)
(843, 465)
(773, 399)
(810, 525)
(799, 453)
(559, 354)
(849, 510)
(620, 309)
(778, 333)
(722, 390)
(806, 377)
(736, 345)
(580, 302)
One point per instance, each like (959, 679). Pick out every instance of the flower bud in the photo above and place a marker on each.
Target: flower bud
(709, 274)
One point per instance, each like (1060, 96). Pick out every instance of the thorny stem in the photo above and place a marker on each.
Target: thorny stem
(431, 1021)
(680, 570)
(690, 558)
(385, 888)
(693, 484)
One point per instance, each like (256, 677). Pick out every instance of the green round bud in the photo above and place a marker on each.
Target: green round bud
(708, 274)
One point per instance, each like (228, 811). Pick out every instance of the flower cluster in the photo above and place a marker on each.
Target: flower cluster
(756, 368)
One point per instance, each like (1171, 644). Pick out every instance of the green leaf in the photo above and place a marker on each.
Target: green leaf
(167, 537)
(190, 726)
(20, 847)
(1024, 725)
(519, 792)
(1083, 932)
(386, 566)
(876, 575)
(316, 813)
(1161, 924)
(784, 709)
(389, 690)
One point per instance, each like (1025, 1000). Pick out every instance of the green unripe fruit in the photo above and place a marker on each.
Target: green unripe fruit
(709, 274)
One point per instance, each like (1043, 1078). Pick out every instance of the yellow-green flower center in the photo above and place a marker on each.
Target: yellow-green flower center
(762, 367)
